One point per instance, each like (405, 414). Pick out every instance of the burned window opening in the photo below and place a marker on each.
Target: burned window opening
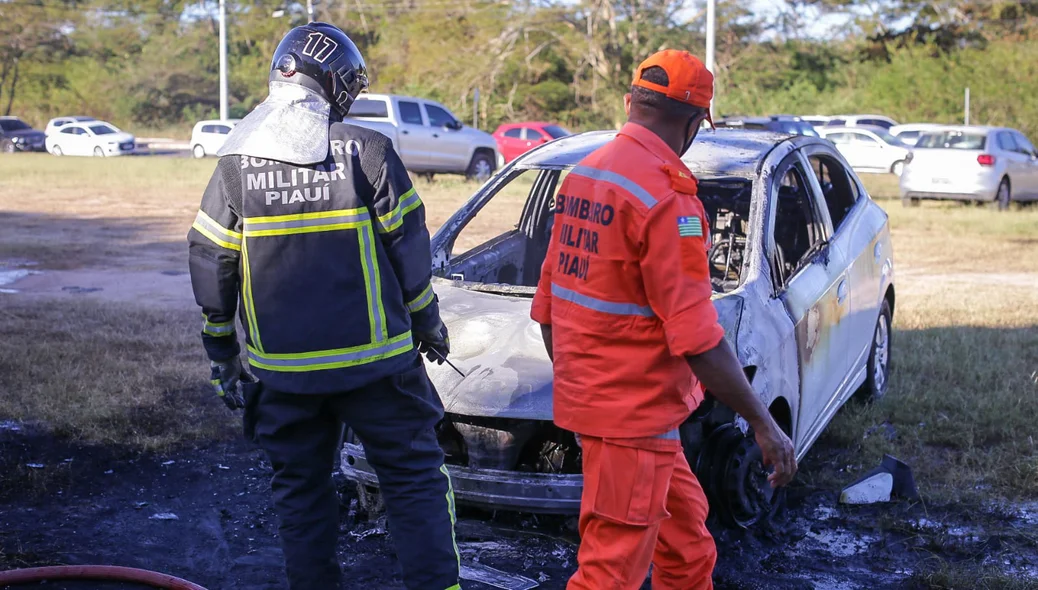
(726, 203)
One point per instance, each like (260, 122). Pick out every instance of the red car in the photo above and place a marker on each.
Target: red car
(515, 139)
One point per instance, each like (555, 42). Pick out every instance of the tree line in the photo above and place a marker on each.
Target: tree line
(154, 64)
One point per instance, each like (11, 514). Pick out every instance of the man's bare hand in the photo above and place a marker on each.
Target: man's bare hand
(778, 454)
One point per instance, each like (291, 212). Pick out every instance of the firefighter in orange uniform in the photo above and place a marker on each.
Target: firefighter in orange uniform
(625, 310)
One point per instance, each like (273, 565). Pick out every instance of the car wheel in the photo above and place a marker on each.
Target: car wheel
(198, 151)
(8, 147)
(481, 167)
(898, 168)
(98, 152)
(56, 150)
(1004, 195)
(730, 467)
(909, 202)
(877, 371)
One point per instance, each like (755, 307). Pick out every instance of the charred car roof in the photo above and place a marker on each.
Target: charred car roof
(725, 152)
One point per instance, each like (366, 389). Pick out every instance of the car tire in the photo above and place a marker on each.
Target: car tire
(98, 152)
(909, 202)
(198, 151)
(1004, 196)
(8, 147)
(481, 167)
(877, 368)
(56, 150)
(897, 168)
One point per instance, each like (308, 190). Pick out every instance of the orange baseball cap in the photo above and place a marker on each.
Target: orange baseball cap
(690, 81)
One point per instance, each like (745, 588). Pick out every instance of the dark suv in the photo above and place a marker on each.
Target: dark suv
(780, 123)
(17, 136)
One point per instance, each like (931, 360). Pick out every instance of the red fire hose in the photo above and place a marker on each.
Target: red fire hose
(109, 573)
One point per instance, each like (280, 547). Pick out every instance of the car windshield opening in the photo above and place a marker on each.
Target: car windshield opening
(504, 242)
(102, 130)
(556, 132)
(952, 140)
(14, 125)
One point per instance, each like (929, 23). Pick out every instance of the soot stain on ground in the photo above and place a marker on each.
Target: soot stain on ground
(65, 504)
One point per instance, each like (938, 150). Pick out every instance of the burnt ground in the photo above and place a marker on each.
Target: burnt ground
(65, 504)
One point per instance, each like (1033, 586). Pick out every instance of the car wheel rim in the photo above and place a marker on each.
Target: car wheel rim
(882, 355)
(482, 169)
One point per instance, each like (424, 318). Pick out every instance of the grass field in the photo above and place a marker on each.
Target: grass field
(962, 409)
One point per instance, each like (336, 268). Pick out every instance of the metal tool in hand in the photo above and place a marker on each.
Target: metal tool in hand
(444, 359)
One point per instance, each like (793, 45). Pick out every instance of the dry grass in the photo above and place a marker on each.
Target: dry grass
(962, 403)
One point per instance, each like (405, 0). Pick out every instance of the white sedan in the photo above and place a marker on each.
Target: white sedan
(868, 148)
(208, 137)
(90, 138)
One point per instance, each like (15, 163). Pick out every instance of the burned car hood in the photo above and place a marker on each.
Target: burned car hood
(500, 350)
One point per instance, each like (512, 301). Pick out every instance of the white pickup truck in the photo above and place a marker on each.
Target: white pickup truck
(428, 137)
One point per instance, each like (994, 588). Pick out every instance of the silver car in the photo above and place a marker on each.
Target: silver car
(979, 164)
(868, 148)
(802, 270)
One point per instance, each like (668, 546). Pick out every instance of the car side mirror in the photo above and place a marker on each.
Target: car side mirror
(454, 125)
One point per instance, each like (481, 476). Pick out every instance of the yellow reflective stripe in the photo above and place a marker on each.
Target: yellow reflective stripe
(452, 510)
(380, 310)
(367, 262)
(217, 328)
(407, 202)
(261, 233)
(250, 305)
(422, 301)
(331, 359)
(214, 239)
(203, 218)
(305, 216)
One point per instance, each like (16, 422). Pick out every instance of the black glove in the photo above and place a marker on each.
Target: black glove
(226, 379)
(435, 345)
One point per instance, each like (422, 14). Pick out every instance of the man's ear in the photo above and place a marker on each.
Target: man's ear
(627, 104)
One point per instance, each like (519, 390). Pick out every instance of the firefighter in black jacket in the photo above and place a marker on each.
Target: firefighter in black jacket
(313, 228)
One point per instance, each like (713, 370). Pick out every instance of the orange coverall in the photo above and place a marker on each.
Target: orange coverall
(626, 289)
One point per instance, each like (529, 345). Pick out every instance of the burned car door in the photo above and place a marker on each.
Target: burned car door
(811, 275)
(501, 237)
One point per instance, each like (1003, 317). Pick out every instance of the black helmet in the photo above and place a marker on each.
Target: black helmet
(322, 58)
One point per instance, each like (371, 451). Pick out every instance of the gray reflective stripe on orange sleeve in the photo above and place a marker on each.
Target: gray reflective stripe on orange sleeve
(672, 435)
(610, 307)
(621, 181)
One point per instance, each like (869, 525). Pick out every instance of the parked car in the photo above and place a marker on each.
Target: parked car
(816, 120)
(515, 139)
(979, 164)
(90, 138)
(909, 133)
(208, 137)
(56, 123)
(428, 137)
(868, 149)
(778, 123)
(18, 136)
(861, 120)
(802, 269)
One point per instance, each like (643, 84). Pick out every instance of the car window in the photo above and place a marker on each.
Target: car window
(953, 140)
(534, 135)
(836, 123)
(556, 132)
(410, 113)
(221, 129)
(72, 130)
(839, 137)
(875, 122)
(1023, 143)
(798, 230)
(102, 129)
(838, 189)
(365, 107)
(438, 117)
(208, 128)
(498, 216)
(1005, 141)
(861, 138)
(13, 125)
(516, 132)
(908, 135)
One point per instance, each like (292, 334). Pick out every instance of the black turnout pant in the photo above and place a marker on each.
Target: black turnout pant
(394, 418)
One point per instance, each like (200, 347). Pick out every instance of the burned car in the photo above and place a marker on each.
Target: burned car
(802, 269)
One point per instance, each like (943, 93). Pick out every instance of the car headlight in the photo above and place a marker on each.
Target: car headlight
(16, 139)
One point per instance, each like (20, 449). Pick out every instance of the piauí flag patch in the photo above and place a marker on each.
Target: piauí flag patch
(690, 227)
